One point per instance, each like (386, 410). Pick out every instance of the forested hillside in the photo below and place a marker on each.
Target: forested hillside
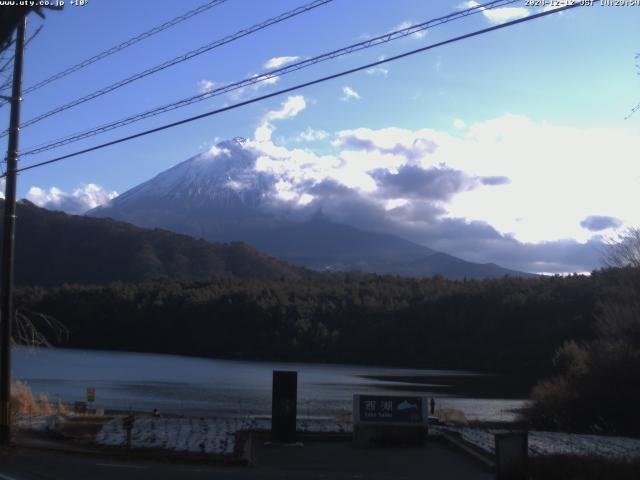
(509, 324)
(53, 248)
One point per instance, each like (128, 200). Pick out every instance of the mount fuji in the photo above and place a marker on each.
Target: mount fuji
(220, 196)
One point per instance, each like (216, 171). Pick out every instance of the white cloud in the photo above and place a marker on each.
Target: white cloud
(502, 15)
(263, 132)
(558, 176)
(510, 190)
(419, 35)
(83, 198)
(238, 93)
(459, 124)
(288, 109)
(266, 81)
(498, 15)
(395, 203)
(311, 135)
(349, 93)
(381, 70)
(551, 176)
(214, 151)
(205, 86)
(277, 62)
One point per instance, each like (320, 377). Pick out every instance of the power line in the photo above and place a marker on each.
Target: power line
(11, 59)
(123, 45)
(302, 85)
(388, 37)
(174, 61)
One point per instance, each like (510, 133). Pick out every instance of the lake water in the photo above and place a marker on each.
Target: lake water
(211, 387)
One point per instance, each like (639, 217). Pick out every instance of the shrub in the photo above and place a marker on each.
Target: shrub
(23, 401)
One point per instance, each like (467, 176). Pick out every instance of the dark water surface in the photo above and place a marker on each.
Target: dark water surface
(210, 387)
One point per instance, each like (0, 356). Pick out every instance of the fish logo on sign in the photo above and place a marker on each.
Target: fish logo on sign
(405, 405)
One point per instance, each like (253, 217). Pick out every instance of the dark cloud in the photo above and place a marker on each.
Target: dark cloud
(418, 148)
(416, 212)
(496, 180)
(329, 187)
(415, 182)
(477, 241)
(423, 222)
(357, 143)
(596, 223)
(423, 219)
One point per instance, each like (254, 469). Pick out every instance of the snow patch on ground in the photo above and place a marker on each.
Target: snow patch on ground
(218, 435)
(556, 443)
(201, 435)
(38, 423)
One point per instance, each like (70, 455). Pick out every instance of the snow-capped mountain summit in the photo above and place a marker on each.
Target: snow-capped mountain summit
(220, 195)
(222, 178)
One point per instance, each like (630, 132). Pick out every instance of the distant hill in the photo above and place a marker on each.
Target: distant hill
(328, 246)
(53, 248)
(222, 197)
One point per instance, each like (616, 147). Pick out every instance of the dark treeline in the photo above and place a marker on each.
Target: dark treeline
(509, 324)
(596, 385)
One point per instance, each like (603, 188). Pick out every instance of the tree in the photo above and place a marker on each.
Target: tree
(624, 251)
(597, 388)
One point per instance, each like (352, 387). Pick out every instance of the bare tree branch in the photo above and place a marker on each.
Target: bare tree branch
(624, 250)
(36, 329)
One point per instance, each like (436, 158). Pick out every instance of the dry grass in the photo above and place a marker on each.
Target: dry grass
(23, 401)
(452, 416)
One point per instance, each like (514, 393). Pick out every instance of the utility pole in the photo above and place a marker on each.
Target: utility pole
(8, 240)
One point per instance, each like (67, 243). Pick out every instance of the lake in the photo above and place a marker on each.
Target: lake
(211, 387)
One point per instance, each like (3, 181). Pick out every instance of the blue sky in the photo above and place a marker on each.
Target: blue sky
(560, 86)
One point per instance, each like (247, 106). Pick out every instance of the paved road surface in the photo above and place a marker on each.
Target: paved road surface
(316, 460)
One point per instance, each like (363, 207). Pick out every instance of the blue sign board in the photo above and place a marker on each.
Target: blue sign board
(389, 410)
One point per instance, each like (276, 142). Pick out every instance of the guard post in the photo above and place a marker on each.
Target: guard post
(91, 397)
(127, 423)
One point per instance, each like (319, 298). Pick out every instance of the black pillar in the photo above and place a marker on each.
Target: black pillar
(6, 277)
(284, 405)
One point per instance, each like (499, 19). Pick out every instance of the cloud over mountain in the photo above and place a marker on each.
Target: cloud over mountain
(83, 198)
(503, 190)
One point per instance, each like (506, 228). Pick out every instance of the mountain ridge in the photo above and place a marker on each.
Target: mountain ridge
(53, 248)
(220, 196)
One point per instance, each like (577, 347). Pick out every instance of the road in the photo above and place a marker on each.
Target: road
(313, 461)
(37, 465)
